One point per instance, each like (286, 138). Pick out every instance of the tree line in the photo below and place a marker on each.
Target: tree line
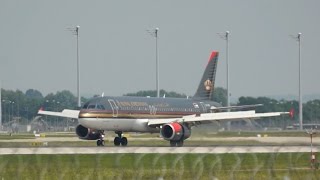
(25, 105)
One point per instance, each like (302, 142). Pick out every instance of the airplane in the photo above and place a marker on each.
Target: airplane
(172, 117)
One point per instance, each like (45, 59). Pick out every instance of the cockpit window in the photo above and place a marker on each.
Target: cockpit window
(85, 106)
(94, 106)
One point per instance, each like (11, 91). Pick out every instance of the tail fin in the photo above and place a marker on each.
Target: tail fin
(206, 85)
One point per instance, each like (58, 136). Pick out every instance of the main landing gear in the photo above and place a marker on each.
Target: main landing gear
(100, 141)
(123, 141)
(176, 143)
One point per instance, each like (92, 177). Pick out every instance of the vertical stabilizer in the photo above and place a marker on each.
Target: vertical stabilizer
(206, 85)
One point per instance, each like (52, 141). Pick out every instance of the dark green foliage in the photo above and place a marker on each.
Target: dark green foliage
(220, 95)
(33, 94)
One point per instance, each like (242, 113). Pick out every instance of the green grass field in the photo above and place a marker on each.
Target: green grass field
(158, 166)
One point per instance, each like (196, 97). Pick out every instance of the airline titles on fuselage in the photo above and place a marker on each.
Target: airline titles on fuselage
(141, 104)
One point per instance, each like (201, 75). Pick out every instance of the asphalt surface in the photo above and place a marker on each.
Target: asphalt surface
(282, 140)
(161, 150)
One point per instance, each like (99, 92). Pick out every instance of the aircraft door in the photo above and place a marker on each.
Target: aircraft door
(114, 107)
(204, 108)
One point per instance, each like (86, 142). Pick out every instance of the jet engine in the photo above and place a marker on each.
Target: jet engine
(175, 131)
(86, 133)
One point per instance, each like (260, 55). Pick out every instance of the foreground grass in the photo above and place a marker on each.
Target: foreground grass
(155, 166)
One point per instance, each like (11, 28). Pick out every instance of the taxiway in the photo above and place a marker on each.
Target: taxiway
(161, 150)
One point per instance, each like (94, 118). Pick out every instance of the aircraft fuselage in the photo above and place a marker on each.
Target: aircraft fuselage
(131, 114)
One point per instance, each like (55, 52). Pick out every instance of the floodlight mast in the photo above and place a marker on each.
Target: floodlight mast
(225, 36)
(298, 38)
(78, 68)
(154, 33)
(0, 106)
(157, 61)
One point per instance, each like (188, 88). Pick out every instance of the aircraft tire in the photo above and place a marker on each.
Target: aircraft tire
(173, 143)
(117, 141)
(99, 142)
(179, 143)
(124, 141)
(102, 143)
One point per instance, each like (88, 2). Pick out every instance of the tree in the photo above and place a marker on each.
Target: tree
(220, 95)
(32, 93)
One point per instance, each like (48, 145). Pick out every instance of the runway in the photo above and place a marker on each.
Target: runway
(160, 150)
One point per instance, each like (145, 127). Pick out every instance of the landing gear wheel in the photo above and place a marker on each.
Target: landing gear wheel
(117, 141)
(179, 143)
(173, 143)
(176, 143)
(124, 141)
(100, 142)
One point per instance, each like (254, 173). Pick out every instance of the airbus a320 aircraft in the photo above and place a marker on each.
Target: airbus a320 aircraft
(172, 117)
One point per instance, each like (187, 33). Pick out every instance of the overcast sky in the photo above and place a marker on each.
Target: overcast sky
(118, 55)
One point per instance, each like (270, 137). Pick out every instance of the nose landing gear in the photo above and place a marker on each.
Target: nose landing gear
(100, 141)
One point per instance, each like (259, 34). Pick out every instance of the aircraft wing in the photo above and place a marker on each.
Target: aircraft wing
(68, 113)
(220, 116)
(236, 107)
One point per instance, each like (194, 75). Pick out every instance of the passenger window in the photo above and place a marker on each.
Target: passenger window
(99, 106)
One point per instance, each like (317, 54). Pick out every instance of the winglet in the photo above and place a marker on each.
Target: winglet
(291, 113)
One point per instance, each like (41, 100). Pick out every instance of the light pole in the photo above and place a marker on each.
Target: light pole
(12, 102)
(78, 68)
(0, 106)
(225, 36)
(298, 38)
(76, 32)
(154, 33)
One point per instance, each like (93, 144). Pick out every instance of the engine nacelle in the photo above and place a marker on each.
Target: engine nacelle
(175, 131)
(86, 133)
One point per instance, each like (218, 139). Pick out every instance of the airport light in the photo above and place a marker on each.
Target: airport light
(225, 36)
(298, 39)
(154, 33)
(75, 31)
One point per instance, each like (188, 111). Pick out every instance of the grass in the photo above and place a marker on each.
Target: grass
(16, 136)
(157, 166)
